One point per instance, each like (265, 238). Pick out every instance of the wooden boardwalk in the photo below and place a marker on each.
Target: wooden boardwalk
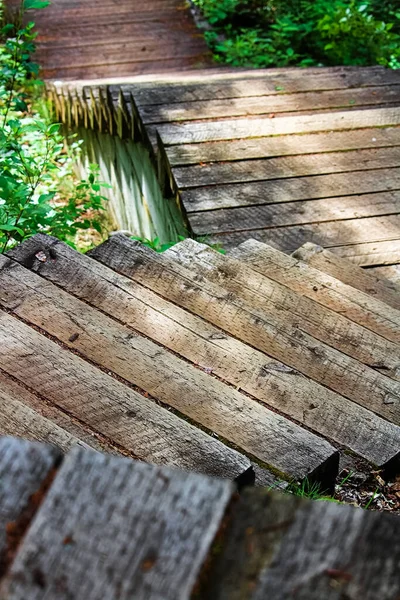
(251, 366)
(98, 527)
(89, 39)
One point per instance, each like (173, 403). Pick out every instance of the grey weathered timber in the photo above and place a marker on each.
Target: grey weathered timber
(250, 194)
(283, 547)
(370, 254)
(265, 435)
(231, 129)
(23, 414)
(266, 332)
(287, 166)
(113, 528)
(288, 145)
(330, 234)
(359, 306)
(25, 470)
(275, 104)
(350, 274)
(270, 381)
(134, 422)
(261, 82)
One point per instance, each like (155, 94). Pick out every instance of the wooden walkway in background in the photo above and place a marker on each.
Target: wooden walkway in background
(284, 156)
(88, 39)
(90, 526)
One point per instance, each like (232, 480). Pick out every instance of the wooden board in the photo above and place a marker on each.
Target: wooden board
(361, 307)
(283, 547)
(263, 331)
(276, 104)
(335, 186)
(26, 415)
(289, 145)
(370, 253)
(25, 471)
(268, 380)
(268, 437)
(242, 171)
(348, 273)
(115, 528)
(231, 129)
(390, 273)
(142, 428)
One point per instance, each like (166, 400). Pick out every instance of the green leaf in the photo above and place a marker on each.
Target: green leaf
(35, 4)
(12, 228)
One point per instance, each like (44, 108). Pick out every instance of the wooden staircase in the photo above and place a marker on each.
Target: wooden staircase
(254, 364)
(93, 526)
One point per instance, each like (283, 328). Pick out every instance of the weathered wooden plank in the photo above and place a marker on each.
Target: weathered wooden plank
(391, 273)
(282, 547)
(261, 83)
(283, 167)
(268, 437)
(370, 253)
(231, 129)
(276, 104)
(334, 185)
(112, 528)
(350, 274)
(25, 471)
(329, 324)
(254, 326)
(329, 234)
(357, 305)
(22, 414)
(294, 144)
(304, 212)
(271, 382)
(132, 421)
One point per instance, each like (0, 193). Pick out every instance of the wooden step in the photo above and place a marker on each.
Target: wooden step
(287, 547)
(26, 470)
(113, 528)
(350, 274)
(270, 438)
(135, 423)
(361, 307)
(108, 527)
(30, 416)
(259, 328)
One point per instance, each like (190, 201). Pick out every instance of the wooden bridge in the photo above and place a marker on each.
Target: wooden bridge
(93, 526)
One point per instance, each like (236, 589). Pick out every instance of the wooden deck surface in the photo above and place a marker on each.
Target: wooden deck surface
(285, 157)
(249, 365)
(98, 527)
(92, 39)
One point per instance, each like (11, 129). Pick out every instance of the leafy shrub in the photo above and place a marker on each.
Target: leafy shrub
(266, 33)
(35, 166)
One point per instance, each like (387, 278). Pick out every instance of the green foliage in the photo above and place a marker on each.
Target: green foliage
(158, 247)
(35, 166)
(266, 33)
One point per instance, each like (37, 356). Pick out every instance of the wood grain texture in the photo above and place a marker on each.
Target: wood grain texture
(270, 381)
(350, 274)
(384, 252)
(24, 468)
(25, 415)
(268, 437)
(290, 145)
(390, 273)
(130, 420)
(273, 191)
(113, 528)
(359, 306)
(282, 547)
(231, 129)
(283, 167)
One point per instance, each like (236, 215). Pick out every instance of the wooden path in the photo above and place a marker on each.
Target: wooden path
(99, 527)
(89, 39)
(252, 365)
